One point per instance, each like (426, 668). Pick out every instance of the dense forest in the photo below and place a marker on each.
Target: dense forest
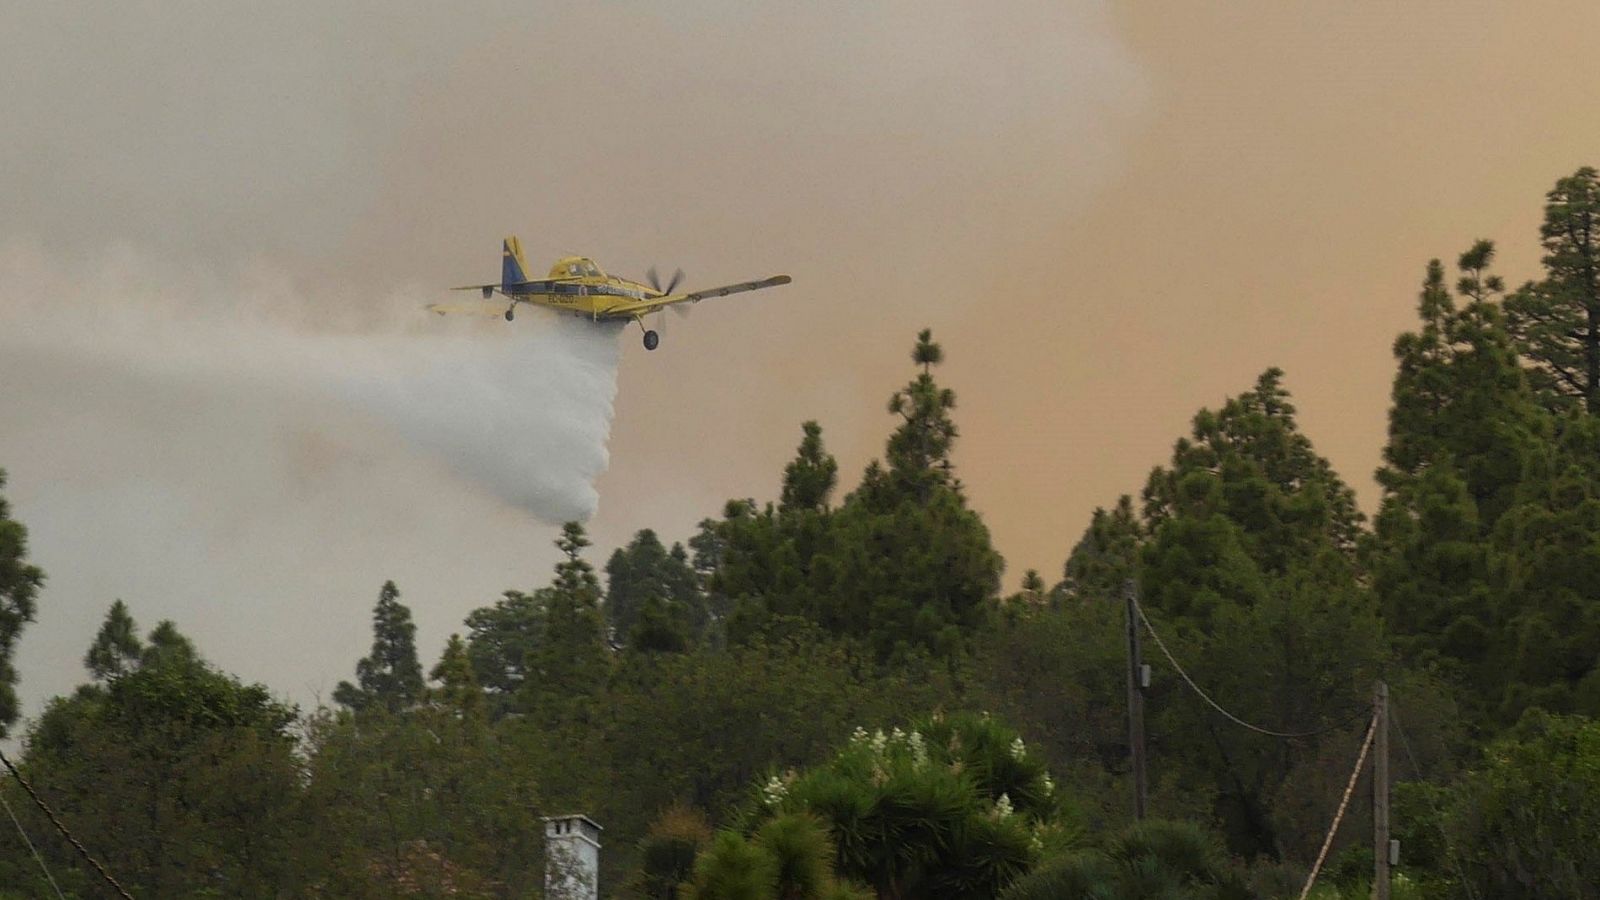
(826, 696)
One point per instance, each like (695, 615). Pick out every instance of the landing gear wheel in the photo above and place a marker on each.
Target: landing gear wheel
(511, 314)
(651, 339)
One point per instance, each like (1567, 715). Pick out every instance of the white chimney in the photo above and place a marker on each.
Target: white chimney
(571, 858)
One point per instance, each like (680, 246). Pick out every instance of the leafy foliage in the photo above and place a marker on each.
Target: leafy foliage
(1526, 823)
(652, 597)
(182, 775)
(19, 585)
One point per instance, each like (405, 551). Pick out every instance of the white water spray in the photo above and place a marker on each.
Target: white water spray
(521, 410)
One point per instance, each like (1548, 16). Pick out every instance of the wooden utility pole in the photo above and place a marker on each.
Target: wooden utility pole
(1380, 792)
(1135, 701)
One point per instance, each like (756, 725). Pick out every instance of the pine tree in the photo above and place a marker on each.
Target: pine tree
(19, 585)
(570, 660)
(166, 644)
(661, 627)
(390, 678)
(458, 687)
(116, 649)
(1105, 557)
(810, 478)
(919, 450)
(906, 563)
(1556, 321)
(1463, 427)
(500, 639)
(645, 572)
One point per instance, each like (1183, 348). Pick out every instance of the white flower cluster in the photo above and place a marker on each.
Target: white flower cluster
(881, 742)
(1002, 807)
(919, 750)
(1049, 785)
(774, 791)
(1018, 749)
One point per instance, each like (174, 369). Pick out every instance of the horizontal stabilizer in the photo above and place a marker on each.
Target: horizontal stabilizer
(468, 309)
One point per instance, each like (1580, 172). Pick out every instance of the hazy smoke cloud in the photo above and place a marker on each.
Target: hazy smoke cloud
(521, 409)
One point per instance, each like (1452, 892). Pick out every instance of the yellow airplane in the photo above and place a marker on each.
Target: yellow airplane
(576, 285)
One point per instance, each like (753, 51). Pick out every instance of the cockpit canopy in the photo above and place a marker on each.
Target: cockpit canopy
(575, 267)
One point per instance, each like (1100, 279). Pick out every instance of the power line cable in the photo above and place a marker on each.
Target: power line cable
(39, 802)
(31, 849)
(1344, 802)
(1218, 707)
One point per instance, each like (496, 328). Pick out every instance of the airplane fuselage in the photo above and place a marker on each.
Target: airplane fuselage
(594, 296)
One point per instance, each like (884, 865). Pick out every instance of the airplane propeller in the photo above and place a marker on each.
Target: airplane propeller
(655, 280)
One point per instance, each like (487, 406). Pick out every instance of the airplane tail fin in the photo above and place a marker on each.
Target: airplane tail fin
(513, 268)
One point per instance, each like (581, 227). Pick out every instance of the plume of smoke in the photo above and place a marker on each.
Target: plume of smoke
(522, 411)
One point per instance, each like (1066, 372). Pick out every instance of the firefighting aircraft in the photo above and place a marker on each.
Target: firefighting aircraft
(576, 285)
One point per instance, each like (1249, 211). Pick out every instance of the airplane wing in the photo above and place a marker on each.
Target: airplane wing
(644, 306)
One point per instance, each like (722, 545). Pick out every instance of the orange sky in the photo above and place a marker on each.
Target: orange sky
(1292, 169)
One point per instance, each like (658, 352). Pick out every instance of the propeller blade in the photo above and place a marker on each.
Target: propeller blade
(654, 279)
(673, 284)
(681, 310)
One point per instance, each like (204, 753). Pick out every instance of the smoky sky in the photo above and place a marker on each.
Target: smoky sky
(1109, 214)
(224, 404)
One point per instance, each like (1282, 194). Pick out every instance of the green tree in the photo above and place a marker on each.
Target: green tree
(1250, 463)
(19, 586)
(668, 852)
(790, 857)
(809, 480)
(427, 803)
(1154, 859)
(919, 450)
(1464, 428)
(1542, 648)
(696, 728)
(953, 807)
(390, 676)
(500, 639)
(646, 574)
(570, 661)
(1460, 398)
(1246, 560)
(182, 777)
(1105, 557)
(902, 563)
(458, 687)
(1556, 321)
(165, 642)
(117, 648)
(1526, 822)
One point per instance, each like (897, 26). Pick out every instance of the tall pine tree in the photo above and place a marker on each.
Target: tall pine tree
(1556, 321)
(570, 660)
(1462, 426)
(389, 678)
